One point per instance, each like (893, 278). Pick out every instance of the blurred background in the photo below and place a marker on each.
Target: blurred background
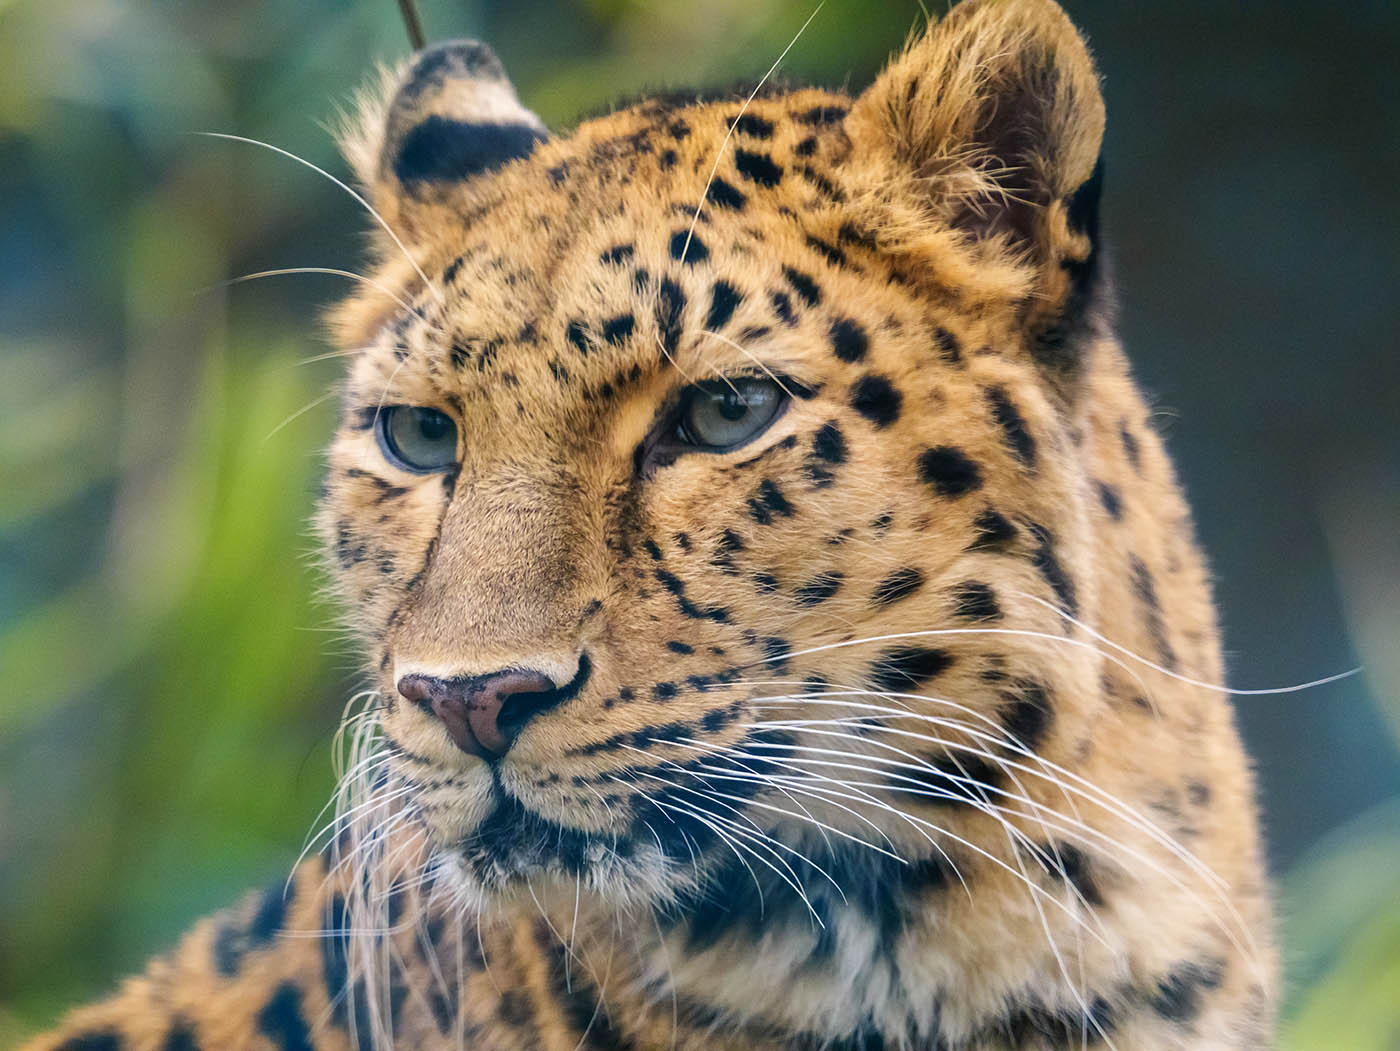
(169, 681)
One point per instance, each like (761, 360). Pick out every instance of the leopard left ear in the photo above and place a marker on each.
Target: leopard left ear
(993, 122)
(451, 115)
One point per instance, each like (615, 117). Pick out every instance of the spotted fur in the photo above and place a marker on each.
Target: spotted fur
(890, 729)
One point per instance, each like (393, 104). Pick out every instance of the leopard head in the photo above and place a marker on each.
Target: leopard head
(706, 490)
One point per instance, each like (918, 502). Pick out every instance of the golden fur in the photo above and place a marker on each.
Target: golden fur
(893, 728)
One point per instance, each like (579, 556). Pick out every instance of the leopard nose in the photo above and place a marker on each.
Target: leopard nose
(483, 714)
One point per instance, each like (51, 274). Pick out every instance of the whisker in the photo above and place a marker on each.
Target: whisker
(344, 186)
(348, 274)
(719, 154)
(1168, 673)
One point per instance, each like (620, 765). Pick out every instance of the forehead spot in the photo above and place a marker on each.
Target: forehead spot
(875, 398)
(687, 248)
(949, 471)
(757, 167)
(848, 340)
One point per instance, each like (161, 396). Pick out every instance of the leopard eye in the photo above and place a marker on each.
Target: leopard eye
(719, 415)
(415, 438)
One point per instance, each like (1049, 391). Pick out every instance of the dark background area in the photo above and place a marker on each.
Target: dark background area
(169, 682)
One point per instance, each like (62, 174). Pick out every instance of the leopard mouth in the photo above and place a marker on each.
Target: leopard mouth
(655, 853)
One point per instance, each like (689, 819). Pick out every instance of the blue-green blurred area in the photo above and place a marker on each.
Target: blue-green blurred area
(169, 682)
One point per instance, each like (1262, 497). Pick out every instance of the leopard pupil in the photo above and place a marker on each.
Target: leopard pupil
(732, 407)
(433, 426)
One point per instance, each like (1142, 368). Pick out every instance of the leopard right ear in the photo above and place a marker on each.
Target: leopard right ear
(447, 117)
(991, 125)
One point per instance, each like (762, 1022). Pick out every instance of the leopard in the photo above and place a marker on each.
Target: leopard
(783, 624)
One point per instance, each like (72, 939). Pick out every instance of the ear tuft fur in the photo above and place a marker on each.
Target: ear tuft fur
(447, 115)
(992, 122)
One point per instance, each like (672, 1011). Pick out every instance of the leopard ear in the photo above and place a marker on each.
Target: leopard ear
(450, 115)
(993, 119)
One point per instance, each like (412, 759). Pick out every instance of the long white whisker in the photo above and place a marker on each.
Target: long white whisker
(719, 154)
(332, 271)
(1213, 687)
(344, 186)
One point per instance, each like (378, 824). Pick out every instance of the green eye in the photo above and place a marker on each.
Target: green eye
(415, 438)
(724, 414)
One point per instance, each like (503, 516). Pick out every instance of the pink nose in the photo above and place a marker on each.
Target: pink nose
(483, 714)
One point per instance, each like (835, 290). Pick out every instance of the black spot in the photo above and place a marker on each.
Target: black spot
(676, 646)
(617, 330)
(822, 115)
(833, 255)
(829, 443)
(898, 585)
(948, 347)
(1177, 997)
(724, 300)
(773, 498)
(687, 248)
(803, 285)
(617, 254)
(1130, 445)
(181, 1036)
(670, 311)
(806, 147)
(440, 148)
(450, 274)
(668, 159)
(782, 306)
(577, 334)
(1068, 862)
(514, 1009)
(948, 470)
(267, 921)
(994, 530)
(1028, 717)
(335, 969)
(1112, 502)
(765, 583)
(652, 549)
(1198, 792)
(664, 691)
(848, 340)
(824, 186)
(1146, 593)
(676, 587)
(819, 589)
(753, 125)
(228, 949)
(729, 542)
(103, 1040)
(757, 167)
(901, 669)
(875, 398)
(1045, 560)
(775, 651)
(1013, 426)
(281, 1021)
(973, 600)
(723, 195)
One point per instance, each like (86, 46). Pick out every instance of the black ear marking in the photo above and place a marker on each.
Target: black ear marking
(1060, 346)
(454, 116)
(440, 148)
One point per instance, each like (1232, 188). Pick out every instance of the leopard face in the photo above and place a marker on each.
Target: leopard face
(704, 488)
